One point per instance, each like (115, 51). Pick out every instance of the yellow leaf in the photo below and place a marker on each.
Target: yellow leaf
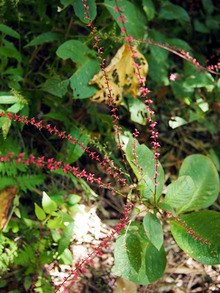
(122, 76)
(6, 196)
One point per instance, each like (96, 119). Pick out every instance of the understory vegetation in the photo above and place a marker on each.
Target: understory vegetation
(109, 143)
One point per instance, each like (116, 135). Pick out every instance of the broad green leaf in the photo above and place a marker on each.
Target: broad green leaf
(80, 79)
(208, 6)
(177, 122)
(179, 44)
(153, 229)
(58, 116)
(11, 53)
(9, 31)
(136, 258)
(149, 9)
(134, 26)
(75, 50)
(206, 180)
(6, 98)
(170, 11)
(137, 110)
(74, 198)
(207, 225)
(166, 207)
(158, 71)
(56, 223)
(55, 235)
(80, 9)
(44, 38)
(66, 3)
(179, 193)
(201, 79)
(48, 204)
(215, 159)
(180, 90)
(39, 212)
(55, 86)
(145, 160)
(5, 124)
(66, 257)
(212, 24)
(200, 27)
(65, 239)
(159, 54)
(15, 108)
(64, 217)
(74, 150)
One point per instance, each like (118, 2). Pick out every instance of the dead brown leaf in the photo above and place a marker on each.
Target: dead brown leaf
(121, 75)
(6, 196)
(124, 286)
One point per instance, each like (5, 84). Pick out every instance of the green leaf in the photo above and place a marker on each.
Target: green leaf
(207, 225)
(6, 98)
(55, 86)
(9, 31)
(180, 90)
(80, 9)
(136, 258)
(48, 204)
(206, 181)
(153, 229)
(200, 27)
(11, 53)
(80, 79)
(64, 241)
(44, 38)
(177, 122)
(159, 71)
(74, 150)
(208, 6)
(179, 193)
(201, 79)
(149, 9)
(5, 124)
(137, 110)
(56, 223)
(170, 11)
(166, 207)
(75, 50)
(39, 212)
(134, 26)
(145, 160)
(74, 198)
(66, 3)
(64, 217)
(180, 44)
(159, 54)
(67, 257)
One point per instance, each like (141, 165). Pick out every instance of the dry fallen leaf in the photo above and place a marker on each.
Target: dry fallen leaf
(6, 196)
(121, 76)
(124, 286)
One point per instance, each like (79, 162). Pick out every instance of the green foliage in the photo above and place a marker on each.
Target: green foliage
(46, 63)
(206, 224)
(136, 258)
(197, 187)
(142, 167)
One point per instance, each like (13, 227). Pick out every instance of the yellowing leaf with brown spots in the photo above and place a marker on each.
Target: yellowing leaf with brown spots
(121, 75)
(6, 196)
